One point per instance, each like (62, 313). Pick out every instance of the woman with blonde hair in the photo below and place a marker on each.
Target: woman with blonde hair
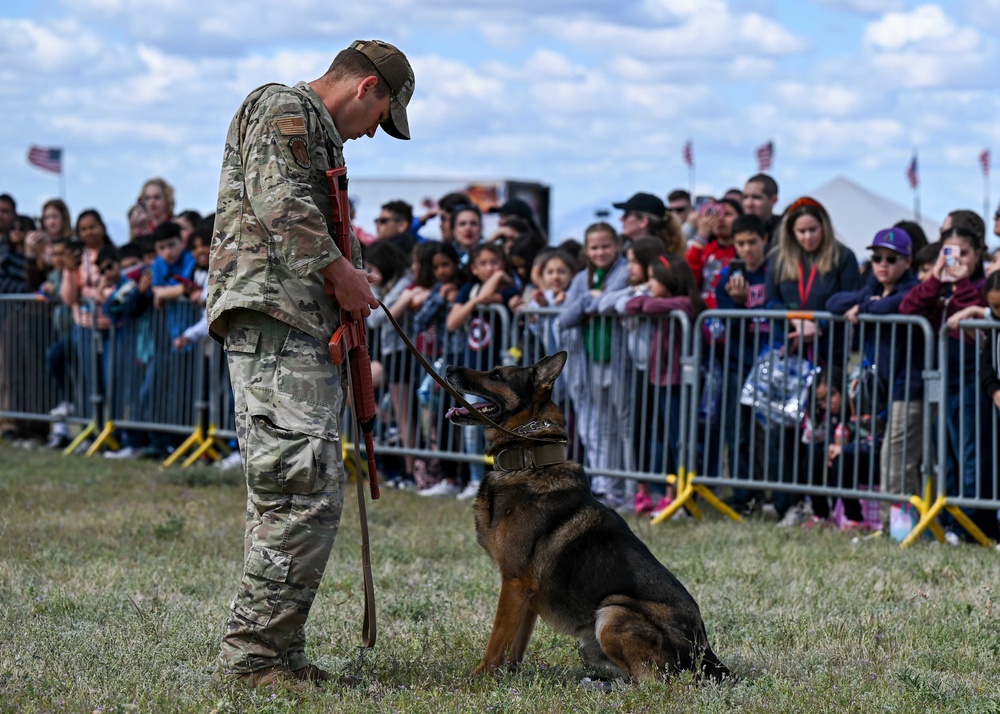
(157, 197)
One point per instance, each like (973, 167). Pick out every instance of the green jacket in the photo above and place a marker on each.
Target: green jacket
(272, 224)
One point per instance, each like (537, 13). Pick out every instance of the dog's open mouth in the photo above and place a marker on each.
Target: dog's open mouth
(461, 415)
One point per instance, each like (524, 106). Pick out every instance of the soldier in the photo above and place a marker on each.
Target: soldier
(271, 252)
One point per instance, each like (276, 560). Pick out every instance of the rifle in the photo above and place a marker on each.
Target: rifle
(350, 344)
(350, 341)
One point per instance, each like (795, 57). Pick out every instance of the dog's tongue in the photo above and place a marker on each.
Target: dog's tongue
(462, 411)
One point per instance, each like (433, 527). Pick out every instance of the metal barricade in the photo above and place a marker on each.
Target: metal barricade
(48, 366)
(767, 441)
(412, 411)
(625, 414)
(154, 392)
(968, 431)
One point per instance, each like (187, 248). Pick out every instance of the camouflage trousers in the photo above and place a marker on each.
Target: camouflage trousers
(289, 399)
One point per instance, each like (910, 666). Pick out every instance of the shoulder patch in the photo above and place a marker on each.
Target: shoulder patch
(291, 126)
(300, 152)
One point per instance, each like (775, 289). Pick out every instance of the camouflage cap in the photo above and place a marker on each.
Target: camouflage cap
(394, 68)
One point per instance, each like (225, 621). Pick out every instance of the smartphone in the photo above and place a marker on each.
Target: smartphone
(700, 201)
(950, 255)
(737, 267)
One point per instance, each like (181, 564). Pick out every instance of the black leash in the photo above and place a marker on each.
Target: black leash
(448, 388)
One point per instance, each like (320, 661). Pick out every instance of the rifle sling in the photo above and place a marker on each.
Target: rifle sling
(369, 628)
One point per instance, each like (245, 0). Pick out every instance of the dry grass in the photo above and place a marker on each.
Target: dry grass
(115, 579)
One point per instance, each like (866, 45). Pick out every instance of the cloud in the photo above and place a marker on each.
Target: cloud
(926, 27)
(864, 7)
(818, 99)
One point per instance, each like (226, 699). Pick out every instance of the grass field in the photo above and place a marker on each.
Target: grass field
(115, 579)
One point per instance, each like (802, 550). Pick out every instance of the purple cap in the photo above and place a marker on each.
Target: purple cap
(894, 239)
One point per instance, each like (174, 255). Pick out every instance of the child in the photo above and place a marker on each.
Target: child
(437, 266)
(57, 354)
(954, 284)
(555, 272)
(742, 288)
(121, 305)
(173, 269)
(989, 381)
(990, 357)
(198, 245)
(924, 259)
(394, 279)
(671, 287)
(632, 343)
(165, 392)
(849, 448)
(491, 284)
(551, 274)
(591, 373)
(897, 358)
(712, 247)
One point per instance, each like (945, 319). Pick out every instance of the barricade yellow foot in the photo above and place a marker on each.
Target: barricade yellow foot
(196, 438)
(715, 503)
(104, 439)
(925, 522)
(922, 505)
(684, 497)
(80, 438)
(969, 526)
(205, 448)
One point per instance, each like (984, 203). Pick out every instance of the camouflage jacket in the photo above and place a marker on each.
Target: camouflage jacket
(272, 224)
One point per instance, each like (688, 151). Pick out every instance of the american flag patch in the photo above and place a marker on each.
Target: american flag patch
(292, 126)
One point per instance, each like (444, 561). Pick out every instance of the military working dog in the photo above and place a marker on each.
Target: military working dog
(562, 555)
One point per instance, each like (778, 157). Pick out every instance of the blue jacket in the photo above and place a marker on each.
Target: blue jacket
(905, 361)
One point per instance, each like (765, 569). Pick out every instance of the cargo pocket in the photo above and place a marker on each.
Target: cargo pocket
(260, 594)
(289, 445)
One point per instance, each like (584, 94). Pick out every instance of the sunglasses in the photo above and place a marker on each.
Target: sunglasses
(382, 221)
(890, 259)
(677, 209)
(106, 268)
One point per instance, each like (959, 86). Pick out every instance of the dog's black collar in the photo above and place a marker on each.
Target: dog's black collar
(530, 457)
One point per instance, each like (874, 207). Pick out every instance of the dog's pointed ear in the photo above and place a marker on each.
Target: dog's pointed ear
(548, 369)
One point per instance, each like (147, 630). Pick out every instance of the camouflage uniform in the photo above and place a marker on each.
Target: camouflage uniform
(268, 305)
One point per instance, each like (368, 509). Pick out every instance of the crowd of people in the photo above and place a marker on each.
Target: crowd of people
(733, 253)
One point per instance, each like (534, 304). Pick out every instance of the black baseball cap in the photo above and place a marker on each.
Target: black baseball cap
(515, 207)
(644, 203)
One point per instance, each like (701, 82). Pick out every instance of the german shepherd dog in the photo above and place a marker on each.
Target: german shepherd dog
(562, 555)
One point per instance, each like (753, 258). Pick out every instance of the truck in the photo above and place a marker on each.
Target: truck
(367, 194)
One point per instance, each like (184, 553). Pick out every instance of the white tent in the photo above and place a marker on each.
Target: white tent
(858, 214)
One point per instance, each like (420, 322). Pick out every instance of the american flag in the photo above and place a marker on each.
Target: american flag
(46, 158)
(765, 153)
(984, 161)
(689, 153)
(911, 173)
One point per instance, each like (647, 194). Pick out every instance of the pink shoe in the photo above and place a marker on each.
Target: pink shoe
(853, 526)
(661, 505)
(643, 503)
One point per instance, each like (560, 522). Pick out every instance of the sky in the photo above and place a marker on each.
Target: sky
(592, 97)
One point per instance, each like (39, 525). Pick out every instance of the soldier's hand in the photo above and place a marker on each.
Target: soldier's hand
(351, 287)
